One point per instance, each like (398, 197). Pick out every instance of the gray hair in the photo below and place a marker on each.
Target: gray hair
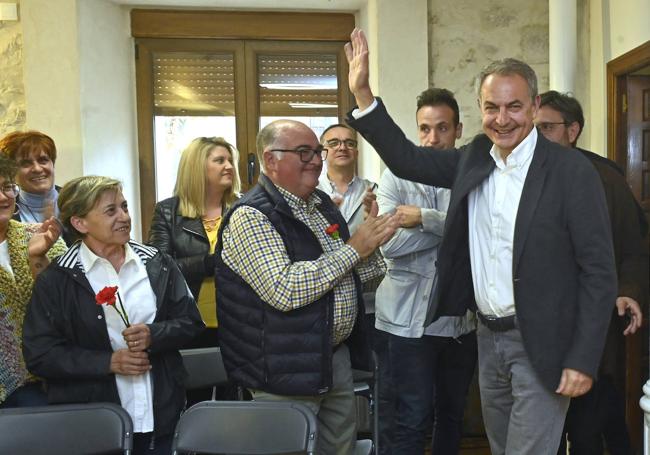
(509, 67)
(268, 136)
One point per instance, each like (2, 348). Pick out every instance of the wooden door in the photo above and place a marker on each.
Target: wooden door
(636, 111)
(638, 138)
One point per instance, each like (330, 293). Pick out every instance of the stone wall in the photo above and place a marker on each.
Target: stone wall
(465, 35)
(12, 93)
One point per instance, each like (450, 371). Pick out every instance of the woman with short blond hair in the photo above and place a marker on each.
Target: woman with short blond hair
(126, 352)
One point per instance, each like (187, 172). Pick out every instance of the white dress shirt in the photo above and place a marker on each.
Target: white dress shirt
(139, 300)
(493, 206)
(492, 213)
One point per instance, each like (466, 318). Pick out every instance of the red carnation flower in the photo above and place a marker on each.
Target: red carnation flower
(333, 231)
(108, 296)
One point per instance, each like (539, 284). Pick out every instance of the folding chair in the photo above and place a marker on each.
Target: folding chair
(246, 427)
(74, 429)
(205, 368)
(366, 387)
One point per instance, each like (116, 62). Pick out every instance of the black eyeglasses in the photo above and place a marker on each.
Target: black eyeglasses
(10, 190)
(549, 126)
(306, 154)
(349, 143)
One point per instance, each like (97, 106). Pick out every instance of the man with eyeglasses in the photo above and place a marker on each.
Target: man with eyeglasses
(342, 184)
(289, 286)
(601, 412)
(526, 243)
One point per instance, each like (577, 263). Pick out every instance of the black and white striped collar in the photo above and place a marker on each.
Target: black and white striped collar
(71, 260)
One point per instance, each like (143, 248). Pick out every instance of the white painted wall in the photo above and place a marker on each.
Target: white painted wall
(615, 27)
(51, 78)
(107, 97)
(629, 25)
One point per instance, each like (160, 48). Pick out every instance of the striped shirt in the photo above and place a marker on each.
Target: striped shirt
(253, 249)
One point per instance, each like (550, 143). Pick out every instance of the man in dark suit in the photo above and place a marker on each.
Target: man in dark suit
(600, 414)
(527, 244)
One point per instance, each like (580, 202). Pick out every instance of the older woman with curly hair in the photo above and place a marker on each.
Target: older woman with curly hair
(23, 254)
(88, 352)
(185, 226)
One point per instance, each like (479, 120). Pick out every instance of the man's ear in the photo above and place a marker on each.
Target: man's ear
(79, 224)
(573, 130)
(459, 130)
(270, 160)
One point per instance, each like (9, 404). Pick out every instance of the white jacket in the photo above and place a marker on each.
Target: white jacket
(403, 296)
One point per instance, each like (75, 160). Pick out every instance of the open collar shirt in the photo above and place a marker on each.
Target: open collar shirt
(254, 249)
(352, 198)
(493, 206)
(139, 300)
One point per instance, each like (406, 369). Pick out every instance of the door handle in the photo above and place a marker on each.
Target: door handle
(250, 167)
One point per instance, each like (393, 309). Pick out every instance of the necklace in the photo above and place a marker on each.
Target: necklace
(210, 224)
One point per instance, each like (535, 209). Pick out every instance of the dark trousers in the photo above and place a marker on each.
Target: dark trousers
(597, 415)
(31, 394)
(423, 380)
(145, 444)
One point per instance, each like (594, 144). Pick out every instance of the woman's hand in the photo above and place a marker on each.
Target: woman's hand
(40, 243)
(130, 363)
(137, 337)
(44, 238)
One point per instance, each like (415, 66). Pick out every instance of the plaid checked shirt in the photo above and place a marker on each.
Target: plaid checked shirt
(253, 249)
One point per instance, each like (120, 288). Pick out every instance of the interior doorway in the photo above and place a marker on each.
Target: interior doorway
(628, 139)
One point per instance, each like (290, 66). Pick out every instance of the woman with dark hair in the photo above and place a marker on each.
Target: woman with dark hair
(23, 253)
(185, 226)
(107, 318)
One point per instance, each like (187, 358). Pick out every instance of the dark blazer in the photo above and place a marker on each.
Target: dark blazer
(630, 237)
(563, 262)
(184, 239)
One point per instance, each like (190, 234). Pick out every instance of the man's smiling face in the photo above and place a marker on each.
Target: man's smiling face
(507, 110)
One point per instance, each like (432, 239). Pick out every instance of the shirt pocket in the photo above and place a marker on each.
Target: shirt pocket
(398, 297)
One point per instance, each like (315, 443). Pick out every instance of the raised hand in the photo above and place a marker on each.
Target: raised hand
(44, 238)
(368, 198)
(356, 52)
(373, 232)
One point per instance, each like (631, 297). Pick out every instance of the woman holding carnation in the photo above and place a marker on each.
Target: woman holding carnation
(119, 345)
(23, 253)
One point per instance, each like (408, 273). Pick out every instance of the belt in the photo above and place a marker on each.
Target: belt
(498, 324)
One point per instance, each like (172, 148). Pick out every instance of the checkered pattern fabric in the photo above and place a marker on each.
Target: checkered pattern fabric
(253, 249)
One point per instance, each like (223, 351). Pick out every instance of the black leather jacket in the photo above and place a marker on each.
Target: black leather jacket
(184, 239)
(65, 339)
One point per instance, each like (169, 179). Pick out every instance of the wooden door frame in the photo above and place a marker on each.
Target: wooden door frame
(617, 72)
(201, 28)
(145, 106)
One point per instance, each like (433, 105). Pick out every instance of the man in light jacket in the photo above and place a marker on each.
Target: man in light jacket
(425, 370)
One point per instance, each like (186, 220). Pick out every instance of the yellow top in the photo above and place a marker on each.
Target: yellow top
(207, 301)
